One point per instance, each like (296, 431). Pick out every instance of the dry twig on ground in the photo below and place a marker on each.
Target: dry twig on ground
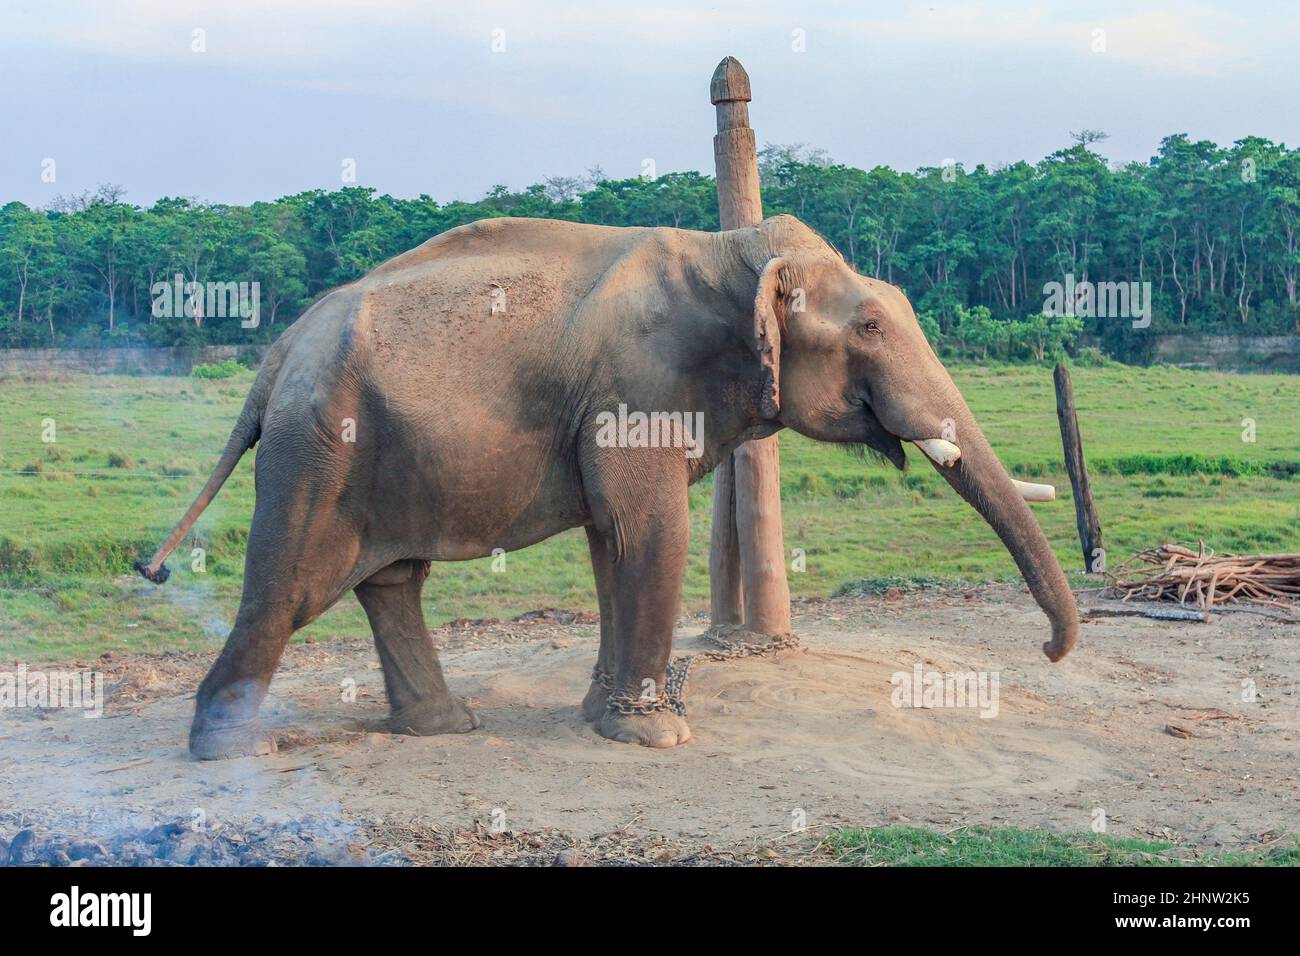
(1205, 580)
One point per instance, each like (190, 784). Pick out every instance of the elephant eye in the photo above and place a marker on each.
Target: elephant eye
(873, 326)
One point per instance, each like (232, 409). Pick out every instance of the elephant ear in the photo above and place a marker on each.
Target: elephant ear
(767, 336)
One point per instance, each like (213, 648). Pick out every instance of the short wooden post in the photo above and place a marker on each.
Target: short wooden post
(747, 558)
(1085, 511)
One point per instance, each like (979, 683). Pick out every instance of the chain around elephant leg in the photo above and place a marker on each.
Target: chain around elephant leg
(594, 704)
(647, 718)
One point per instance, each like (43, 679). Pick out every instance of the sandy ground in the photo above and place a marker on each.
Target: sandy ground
(1145, 720)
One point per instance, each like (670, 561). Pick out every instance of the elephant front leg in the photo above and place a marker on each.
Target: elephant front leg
(602, 676)
(647, 585)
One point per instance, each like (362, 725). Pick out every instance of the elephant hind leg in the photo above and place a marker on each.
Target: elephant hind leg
(225, 711)
(418, 698)
(293, 572)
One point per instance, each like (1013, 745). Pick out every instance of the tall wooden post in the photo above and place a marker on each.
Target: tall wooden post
(747, 558)
(1085, 511)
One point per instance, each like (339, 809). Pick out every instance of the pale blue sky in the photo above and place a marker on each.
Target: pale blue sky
(412, 90)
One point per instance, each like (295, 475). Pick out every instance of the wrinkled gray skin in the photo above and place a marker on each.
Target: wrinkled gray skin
(401, 420)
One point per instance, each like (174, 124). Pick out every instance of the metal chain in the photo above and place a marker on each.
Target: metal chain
(624, 703)
(673, 699)
(629, 705)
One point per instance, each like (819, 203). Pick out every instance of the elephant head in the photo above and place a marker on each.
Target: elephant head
(844, 360)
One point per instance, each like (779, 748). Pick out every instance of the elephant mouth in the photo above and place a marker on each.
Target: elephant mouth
(880, 440)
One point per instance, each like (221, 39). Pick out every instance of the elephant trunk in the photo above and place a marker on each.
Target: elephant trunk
(978, 476)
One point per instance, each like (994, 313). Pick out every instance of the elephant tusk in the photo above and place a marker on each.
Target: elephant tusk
(946, 453)
(941, 452)
(1032, 492)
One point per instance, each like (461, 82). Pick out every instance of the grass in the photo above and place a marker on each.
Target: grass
(128, 454)
(227, 369)
(1008, 846)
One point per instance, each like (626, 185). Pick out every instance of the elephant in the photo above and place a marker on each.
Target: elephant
(490, 388)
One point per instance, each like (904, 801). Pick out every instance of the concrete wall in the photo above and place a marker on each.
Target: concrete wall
(129, 361)
(1231, 353)
(1228, 353)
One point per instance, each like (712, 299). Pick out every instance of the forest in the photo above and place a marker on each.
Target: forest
(1214, 230)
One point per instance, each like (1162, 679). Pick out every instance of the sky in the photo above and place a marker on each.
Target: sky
(244, 100)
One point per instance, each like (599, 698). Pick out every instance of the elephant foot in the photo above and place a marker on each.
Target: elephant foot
(593, 705)
(660, 729)
(223, 743)
(449, 716)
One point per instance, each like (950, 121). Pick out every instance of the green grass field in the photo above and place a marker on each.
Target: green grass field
(1008, 846)
(128, 454)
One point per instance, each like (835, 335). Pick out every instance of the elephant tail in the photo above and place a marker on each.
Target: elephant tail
(243, 437)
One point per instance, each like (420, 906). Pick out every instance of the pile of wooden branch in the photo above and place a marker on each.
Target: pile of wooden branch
(1205, 580)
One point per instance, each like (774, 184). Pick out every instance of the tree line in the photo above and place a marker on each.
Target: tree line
(1215, 231)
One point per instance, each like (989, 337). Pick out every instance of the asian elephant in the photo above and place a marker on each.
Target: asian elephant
(482, 392)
